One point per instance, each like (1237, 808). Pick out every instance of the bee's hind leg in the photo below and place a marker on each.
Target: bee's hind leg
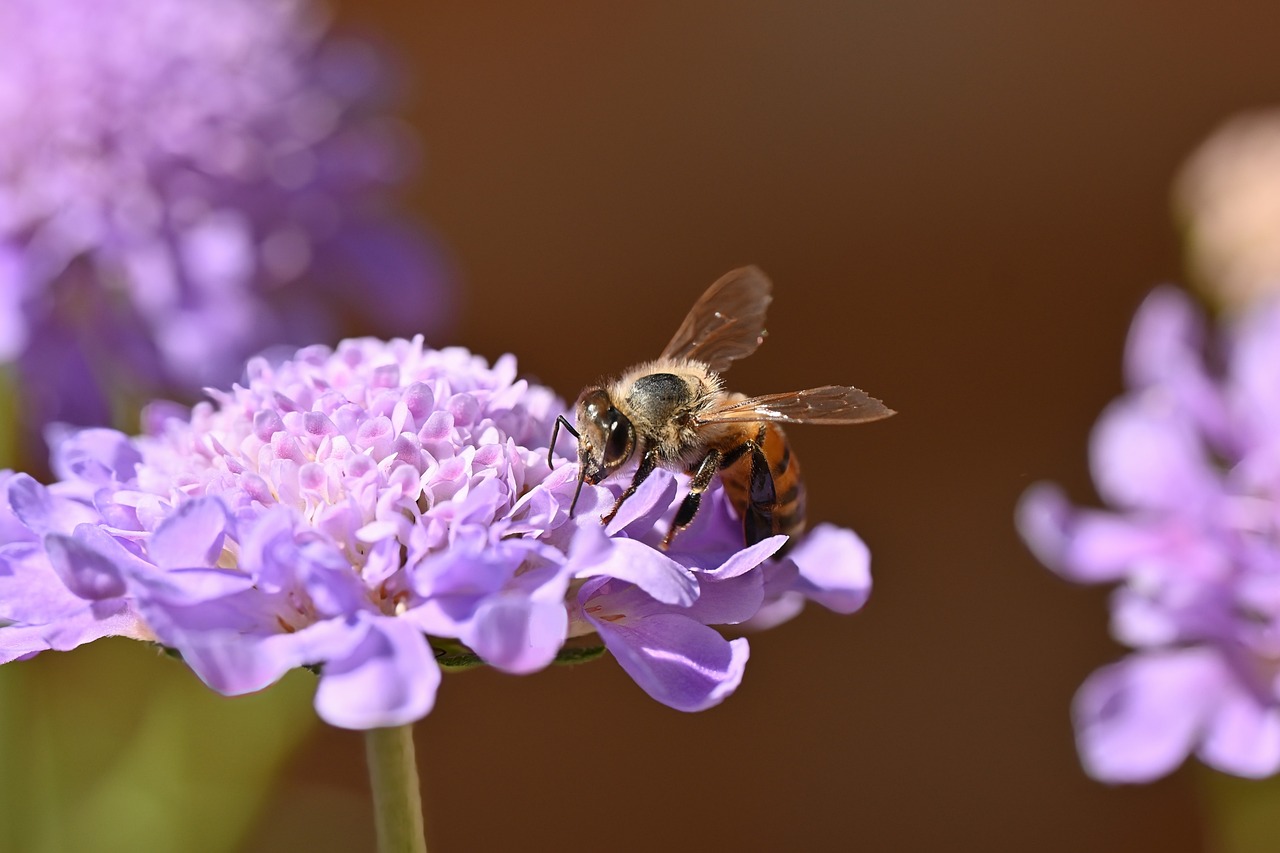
(757, 516)
(702, 476)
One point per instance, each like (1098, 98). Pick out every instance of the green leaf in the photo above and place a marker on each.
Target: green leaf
(114, 747)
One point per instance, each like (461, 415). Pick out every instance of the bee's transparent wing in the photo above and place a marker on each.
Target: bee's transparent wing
(830, 404)
(727, 323)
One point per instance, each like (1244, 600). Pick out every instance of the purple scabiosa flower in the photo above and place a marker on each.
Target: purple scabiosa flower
(184, 184)
(1189, 460)
(376, 512)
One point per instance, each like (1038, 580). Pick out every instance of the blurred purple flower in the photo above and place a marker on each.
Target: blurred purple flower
(377, 511)
(184, 184)
(1190, 460)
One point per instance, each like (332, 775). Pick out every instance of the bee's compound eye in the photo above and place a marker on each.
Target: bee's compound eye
(594, 404)
(618, 443)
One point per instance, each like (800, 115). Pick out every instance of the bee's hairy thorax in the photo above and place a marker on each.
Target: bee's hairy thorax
(663, 400)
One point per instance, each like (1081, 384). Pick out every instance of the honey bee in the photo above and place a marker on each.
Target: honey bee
(675, 413)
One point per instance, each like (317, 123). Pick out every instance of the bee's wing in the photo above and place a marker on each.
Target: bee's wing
(727, 323)
(830, 404)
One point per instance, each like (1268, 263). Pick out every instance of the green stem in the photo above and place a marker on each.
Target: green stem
(397, 804)
(10, 452)
(1242, 816)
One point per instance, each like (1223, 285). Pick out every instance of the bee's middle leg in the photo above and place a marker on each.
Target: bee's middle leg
(702, 476)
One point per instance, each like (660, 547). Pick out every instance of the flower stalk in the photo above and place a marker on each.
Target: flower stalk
(397, 802)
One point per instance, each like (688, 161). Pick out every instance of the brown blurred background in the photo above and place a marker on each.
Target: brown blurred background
(960, 205)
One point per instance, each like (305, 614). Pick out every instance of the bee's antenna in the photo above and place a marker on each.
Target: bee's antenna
(555, 432)
(582, 475)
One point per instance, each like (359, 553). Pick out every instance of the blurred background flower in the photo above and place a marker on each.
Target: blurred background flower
(183, 184)
(1227, 197)
(1189, 462)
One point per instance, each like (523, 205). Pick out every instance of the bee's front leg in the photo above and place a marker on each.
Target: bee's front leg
(648, 462)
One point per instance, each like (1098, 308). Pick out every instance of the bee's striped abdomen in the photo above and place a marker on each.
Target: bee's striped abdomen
(788, 486)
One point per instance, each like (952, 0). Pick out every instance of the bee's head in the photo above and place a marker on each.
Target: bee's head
(606, 438)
